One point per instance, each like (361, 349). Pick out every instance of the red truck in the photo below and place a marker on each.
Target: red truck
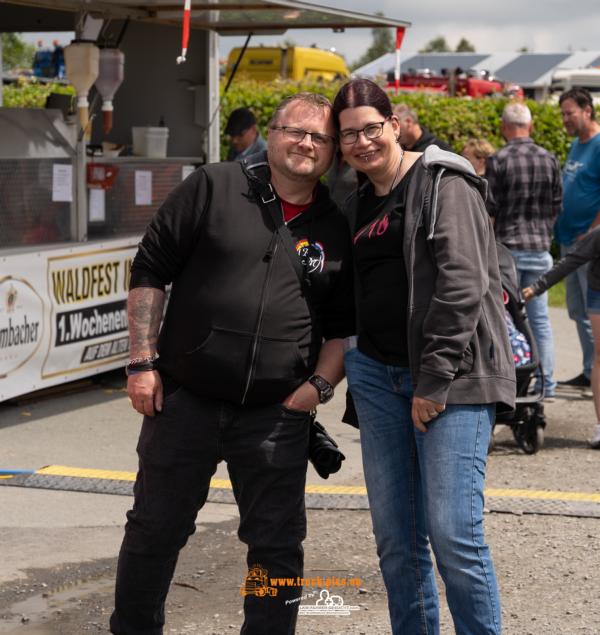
(455, 82)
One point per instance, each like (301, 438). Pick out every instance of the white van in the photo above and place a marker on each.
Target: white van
(566, 78)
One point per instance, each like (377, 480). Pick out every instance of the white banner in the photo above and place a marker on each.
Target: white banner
(63, 314)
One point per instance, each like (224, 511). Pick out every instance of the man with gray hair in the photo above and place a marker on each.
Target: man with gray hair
(414, 136)
(524, 199)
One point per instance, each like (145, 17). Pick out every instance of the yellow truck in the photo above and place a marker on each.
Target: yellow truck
(266, 63)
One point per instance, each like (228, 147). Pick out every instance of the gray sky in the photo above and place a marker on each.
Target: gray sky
(491, 25)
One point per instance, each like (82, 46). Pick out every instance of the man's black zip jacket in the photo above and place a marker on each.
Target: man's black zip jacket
(237, 325)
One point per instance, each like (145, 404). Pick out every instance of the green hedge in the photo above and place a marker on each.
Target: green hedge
(453, 119)
(31, 94)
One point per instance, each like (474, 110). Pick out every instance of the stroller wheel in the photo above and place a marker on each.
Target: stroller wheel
(529, 436)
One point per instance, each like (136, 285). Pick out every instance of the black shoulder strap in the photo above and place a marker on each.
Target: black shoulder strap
(255, 166)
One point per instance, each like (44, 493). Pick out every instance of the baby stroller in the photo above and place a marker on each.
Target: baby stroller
(527, 420)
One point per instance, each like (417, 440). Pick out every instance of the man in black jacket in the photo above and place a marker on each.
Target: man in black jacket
(242, 358)
(414, 136)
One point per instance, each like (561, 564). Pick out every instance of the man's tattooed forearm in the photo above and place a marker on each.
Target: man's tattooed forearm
(145, 309)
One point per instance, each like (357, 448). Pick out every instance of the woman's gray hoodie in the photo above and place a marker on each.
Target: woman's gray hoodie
(459, 351)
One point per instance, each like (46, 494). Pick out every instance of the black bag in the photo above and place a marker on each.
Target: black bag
(323, 451)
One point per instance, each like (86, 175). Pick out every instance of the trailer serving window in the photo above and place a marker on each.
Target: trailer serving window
(36, 178)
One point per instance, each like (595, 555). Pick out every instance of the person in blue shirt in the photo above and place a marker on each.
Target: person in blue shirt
(580, 212)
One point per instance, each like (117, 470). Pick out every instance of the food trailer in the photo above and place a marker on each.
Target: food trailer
(71, 215)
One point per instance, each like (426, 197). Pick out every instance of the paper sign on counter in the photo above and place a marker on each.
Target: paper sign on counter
(143, 187)
(186, 170)
(62, 183)
(97, 206)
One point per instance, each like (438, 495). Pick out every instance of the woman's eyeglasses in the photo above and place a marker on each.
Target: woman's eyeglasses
(297, 134)
(371, 131)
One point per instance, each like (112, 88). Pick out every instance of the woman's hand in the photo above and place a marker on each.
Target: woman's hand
(528, 293)
(424, 411)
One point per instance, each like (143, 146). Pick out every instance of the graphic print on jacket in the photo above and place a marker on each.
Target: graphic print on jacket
(237, 325)
(312, 255)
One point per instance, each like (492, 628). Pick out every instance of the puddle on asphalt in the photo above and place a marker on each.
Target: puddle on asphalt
(39, 608)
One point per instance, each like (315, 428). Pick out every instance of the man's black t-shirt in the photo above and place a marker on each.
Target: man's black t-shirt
(379, 258)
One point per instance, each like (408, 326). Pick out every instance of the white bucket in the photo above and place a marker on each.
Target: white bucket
(149, 141)
(156, 142)
(138, 136)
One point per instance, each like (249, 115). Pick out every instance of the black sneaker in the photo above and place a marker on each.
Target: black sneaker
(581, 381)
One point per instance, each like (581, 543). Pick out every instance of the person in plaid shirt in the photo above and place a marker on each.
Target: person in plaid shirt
(524, 199)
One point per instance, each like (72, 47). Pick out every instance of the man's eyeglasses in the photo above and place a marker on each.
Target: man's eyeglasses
(297, 134)
(371, 131)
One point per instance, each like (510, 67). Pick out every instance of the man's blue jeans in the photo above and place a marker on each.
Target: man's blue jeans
(577, 306)
(530, 266)
(426, 487)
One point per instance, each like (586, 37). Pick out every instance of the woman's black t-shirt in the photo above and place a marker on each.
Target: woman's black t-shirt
(383, 289)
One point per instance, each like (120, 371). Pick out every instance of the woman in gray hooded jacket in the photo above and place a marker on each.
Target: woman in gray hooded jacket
(429, 364)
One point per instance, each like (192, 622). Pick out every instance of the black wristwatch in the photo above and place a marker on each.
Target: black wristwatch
(324, 388)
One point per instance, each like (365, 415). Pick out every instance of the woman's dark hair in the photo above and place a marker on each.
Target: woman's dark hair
(581, 96)
(362, 92)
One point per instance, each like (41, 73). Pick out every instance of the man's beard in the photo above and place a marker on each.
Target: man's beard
(304, 172)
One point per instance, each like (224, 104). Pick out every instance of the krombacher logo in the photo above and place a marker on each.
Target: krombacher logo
(21, 323)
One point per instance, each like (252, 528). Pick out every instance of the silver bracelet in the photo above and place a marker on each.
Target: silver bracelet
(142, 360)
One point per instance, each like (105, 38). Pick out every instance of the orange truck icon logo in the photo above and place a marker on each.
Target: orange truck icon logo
(257, 583)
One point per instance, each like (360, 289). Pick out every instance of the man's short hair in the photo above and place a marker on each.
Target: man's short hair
(239, 121)
(516, 114)
(581, 96)
(402, 111)
(312, 99)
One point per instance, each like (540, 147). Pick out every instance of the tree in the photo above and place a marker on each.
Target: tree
(464, 46)
(383, 42)
(437, 45)
(16, 53)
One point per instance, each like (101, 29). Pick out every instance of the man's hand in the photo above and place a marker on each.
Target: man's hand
(527, 293)
(145, 391)
(305, 397)
(423, 411)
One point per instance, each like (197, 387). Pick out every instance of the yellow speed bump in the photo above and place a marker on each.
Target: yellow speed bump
(533, 494)
(218, 483)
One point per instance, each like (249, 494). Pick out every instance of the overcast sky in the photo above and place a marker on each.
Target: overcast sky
(491, 25)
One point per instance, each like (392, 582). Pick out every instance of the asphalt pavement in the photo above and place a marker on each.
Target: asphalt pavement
(59, 546)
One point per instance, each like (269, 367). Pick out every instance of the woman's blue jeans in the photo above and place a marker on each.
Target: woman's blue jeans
(426, 488)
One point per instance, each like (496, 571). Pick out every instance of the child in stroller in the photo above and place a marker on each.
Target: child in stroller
(587, 249)
(527, 421)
